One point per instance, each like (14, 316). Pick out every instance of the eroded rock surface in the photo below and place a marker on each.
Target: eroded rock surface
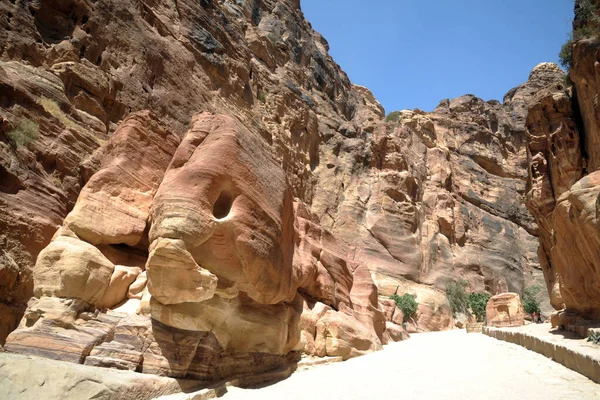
(564, 187)
(214, 283)
(505, 310)
(209, 195)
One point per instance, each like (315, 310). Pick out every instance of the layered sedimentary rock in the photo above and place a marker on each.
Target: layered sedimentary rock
(438, 196)
(504, 310)
(208, 194)
(564, 186)
(209, 267)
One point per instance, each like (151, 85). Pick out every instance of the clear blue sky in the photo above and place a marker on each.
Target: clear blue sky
(414, 53)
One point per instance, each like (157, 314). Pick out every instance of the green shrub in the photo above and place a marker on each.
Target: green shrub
(273, 38)
(587, 16)
(24, 133)
(565, 57)
(457, 295)
(531, 304)
(407, 304)
(52, 107)
(594, 337)
(478, 302)
(394, 116)
(262, 97)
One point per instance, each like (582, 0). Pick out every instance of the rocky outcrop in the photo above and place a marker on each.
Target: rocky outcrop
(439, 196)
(563, 186)
(229, 261)
(205, 194)
(505, 310)
(34, 378)
(63, 68)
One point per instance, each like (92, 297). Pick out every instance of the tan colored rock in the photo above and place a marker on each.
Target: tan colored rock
(394, 333)
(33, 378)
(51, 329)
(118, 287)
(311, 314)
(69, 267)
(113, 206)
(319, 260)
(174, 277)
(352, 332)
(136, 289)
(238, 218)
(504, 310)
(240, 325)
(338, 334)
(573, 255)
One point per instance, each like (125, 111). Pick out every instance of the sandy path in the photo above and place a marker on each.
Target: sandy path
(444, 365)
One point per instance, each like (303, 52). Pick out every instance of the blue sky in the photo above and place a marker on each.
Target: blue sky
(414, 53)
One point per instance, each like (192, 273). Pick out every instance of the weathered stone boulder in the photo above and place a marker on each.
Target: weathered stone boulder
(72, 268)
(225, 198)
(504, 310)
(562, 194)
(113, 206)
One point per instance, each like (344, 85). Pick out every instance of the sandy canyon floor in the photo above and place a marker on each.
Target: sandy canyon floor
(441, 365)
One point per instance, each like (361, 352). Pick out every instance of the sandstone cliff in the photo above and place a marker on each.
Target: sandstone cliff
(563, 142)
(205, 193)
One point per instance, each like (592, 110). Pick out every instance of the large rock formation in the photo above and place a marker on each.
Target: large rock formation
(433, 197)
(204, 193)
(229, 264)
(564, 185)
(505, 310)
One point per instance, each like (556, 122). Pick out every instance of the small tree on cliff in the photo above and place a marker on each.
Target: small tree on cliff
(478, 303)
(587, 26)
(531, 304)
(407, 304)
(457, 296)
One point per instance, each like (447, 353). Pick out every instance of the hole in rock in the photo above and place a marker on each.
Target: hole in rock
(222, 206)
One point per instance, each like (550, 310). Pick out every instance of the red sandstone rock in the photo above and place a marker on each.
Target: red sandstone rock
(504, 310)
(291, 187)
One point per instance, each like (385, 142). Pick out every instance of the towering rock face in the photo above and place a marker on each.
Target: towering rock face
(563, 138)
(77, 68)
(204, 193)
(434, 197)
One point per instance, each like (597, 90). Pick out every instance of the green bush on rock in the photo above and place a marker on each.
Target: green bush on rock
(24, 133)
(531, 304)
(457, 296)
(407, 304)
(478, 303)
(587, 15)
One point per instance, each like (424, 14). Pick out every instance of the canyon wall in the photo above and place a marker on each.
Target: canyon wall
(204, 192)
(563, 146)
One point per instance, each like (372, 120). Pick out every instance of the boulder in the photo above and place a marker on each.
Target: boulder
(505, 310)
(72, 268)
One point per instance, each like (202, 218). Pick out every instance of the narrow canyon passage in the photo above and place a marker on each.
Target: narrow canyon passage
(440, 365)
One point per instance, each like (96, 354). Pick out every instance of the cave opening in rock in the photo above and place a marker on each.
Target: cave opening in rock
(222, 206)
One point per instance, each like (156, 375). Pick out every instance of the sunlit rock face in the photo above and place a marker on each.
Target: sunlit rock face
(209, 195)
(563, 187)
(505, 310)
(218, 274)
(225, 200)
(431, 197)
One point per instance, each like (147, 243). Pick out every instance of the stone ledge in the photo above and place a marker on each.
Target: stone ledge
(32, 378)
(573, 353)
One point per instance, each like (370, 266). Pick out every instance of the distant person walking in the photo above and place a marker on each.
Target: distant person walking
(534, 317)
